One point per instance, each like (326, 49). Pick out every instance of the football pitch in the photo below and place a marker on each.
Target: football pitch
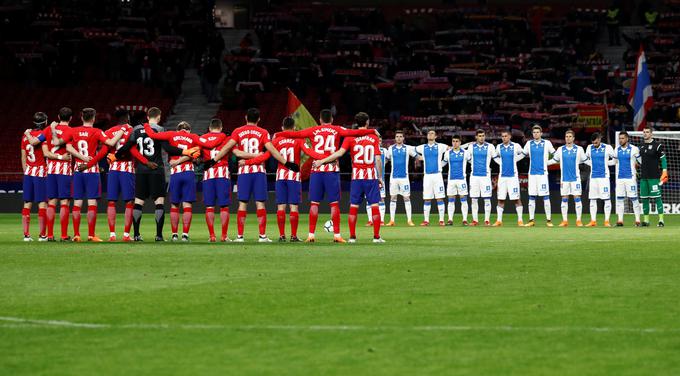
(449, 300)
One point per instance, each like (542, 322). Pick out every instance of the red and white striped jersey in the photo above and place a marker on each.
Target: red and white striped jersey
(364, 150)
(326, 141)
(85, 140)
(55, 166)
(291, 150)
(221, 169)
(122, 164)
(250, 139)
(35, 159)
(182, 139)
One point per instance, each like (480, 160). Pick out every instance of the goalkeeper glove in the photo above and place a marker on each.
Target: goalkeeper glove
(209, 163)
(292, 166)
(194, 152)
(664, 177)
(111, 158)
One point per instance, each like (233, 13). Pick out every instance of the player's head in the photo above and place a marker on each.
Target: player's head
(399, 137)
(39, 120)
(536, 132)
(596, 139)
(215, 125)
(623, 138)
(569, 137)
(326, 116)
(505, 137)
(253, 116)
(455, 141)
(288, 123)
(648, 133)
(480, 136)
(122, 116)
(184, 126)
(361, 120)
(65, 114)
(87, 115)
(431, 136)
(154, 115)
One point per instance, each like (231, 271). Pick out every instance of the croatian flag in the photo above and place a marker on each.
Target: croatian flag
(640, 97)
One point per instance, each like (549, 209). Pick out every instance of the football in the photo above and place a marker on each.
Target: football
(328, 226)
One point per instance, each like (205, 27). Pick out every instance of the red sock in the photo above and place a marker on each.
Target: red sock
(76, 220)
(281, 220)
(294, 218)
(335, 217)
(313, 217)
(187, 214)
(51, 213)
(262, 221)
(128, 217)
(224, 218)
(26, 220)
(111, 215)
(240, 222)
(63, 219)
(210, 221)
(91, 219)
(352, 219)
(42, 213)
(174, 219)
(375, 212)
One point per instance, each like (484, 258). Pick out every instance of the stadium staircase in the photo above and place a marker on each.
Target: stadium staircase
(614, 54)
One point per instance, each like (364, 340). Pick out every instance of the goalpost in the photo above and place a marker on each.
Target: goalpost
(670, 191)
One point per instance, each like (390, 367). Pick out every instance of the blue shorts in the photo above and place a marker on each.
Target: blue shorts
(217, 191)
(86, 185)
(182, 187)
(254, 184)
(361, 187)
(324, 184)
(59, 186)
(120, 183)
(288, 192)
(35, 189)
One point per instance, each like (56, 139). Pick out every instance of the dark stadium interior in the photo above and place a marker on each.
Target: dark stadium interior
(448, 65)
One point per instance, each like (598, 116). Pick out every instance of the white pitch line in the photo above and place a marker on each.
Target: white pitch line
(17, 322)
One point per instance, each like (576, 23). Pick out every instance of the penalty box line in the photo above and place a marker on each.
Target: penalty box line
(18, 322)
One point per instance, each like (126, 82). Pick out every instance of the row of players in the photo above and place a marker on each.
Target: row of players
(136, 172)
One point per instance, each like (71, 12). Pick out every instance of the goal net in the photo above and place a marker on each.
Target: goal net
(670, 191)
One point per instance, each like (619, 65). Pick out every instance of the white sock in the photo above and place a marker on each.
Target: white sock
(578, 205)
(607, 209)
(475, 209)
(426, 211)
(464, 207)
(407, 206)
(519, 209)
(393, 209)
(381, 206)
(547, 207)
(442, 210)
(451, 207)
(620, 203)
(636, 208)
(532, 208)
(499, 212)
(593, 210)
(368, 213)
(565, 208)
(487, 209)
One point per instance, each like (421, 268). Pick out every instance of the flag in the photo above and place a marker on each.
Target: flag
(298, 111)
(640, 97)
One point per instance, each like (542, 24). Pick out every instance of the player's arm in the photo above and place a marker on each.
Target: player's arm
(111, 141)
(138, 156)
(55, 137)
(664, 164)
(378, 163)
(174, 150)
(205, 143)
(519, 154)
(77, 154)
(23, 159)
(165, 136)
(252, 160)
(179, 161)
(344, 132)
(330, 158)
(275, 153)
(49, 155)
(33, 141)
(103, 151)
(309, 151)
(225, 150)
(304, 133)
(497, 157)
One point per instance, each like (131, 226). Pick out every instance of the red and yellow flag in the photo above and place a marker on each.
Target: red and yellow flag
(298, 111)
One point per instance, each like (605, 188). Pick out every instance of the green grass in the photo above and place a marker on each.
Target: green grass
(464, 301)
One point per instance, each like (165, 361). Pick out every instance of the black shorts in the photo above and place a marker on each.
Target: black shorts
(149, 185)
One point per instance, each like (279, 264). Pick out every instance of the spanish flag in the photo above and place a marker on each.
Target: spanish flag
(298, 111)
